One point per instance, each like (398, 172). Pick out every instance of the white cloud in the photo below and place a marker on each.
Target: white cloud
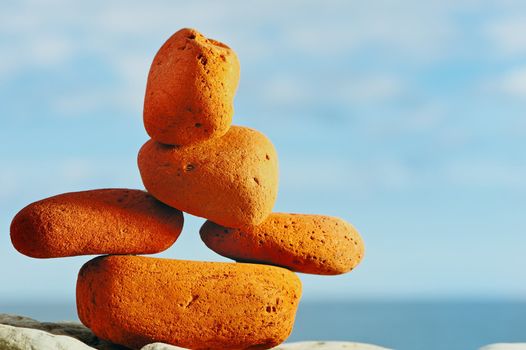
(418, 31)
(513, 83)
(344, 176)
(289, 90)
(118, 34)
(510, 84)
(508, 35)
(57, 175)
(371, 89)
(486, 173)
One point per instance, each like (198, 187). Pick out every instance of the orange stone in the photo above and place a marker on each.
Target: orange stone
(134, 300)
(106, 221)
(190, 90)
(313, 244)
(231, 180)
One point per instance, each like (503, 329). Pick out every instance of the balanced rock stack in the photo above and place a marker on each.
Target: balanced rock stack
(198, 163)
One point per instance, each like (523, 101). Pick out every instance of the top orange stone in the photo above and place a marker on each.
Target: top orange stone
(190, 89)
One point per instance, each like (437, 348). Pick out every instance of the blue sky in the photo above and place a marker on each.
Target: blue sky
(405, 118)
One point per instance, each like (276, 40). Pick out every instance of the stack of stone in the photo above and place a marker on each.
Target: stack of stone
(198, 163)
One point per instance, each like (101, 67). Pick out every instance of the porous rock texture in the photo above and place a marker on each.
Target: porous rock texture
(134, 301)
(231, 180)
(106, 221)
(190, 90)
(328, 345)
(313, 244)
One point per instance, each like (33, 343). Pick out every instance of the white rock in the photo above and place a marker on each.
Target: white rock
(18, 338)
(24, 333)
(327, 345)
(161, 346)
(505, 346)
(307, 345)
(71, 329)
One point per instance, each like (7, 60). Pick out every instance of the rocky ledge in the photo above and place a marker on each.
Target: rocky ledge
(24, 333)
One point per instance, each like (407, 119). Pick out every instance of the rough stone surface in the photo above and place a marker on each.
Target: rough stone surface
(308, 345)
(43, 336)
(71, 329)
(328, 345)
(505, 346)
(231, 180)
(15, 338)
(190, 90)
(161, 346)
(314, 244)
(105, 221)
(136, 300)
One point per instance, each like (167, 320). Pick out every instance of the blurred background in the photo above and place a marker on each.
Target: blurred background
(405, 118)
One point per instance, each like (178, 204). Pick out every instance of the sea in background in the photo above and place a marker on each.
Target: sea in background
(403, 325)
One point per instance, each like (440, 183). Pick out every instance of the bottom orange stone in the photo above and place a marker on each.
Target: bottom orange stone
(135, 300)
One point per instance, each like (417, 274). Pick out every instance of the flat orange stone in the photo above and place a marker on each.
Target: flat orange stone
(314, 244)
(133, 301)
(105, 221)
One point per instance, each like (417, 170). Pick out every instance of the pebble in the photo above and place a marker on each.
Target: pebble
(134, 301)
(106, 221)
(190, 89)
(314, 244)
(231, 180)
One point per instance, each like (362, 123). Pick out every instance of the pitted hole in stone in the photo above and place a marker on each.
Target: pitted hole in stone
(189, 167)
(198, 125)
(226, 231)
(192, 300)
(267, 157)
(202, 59)
(191, 36)
(256, 180)
(164, 146)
